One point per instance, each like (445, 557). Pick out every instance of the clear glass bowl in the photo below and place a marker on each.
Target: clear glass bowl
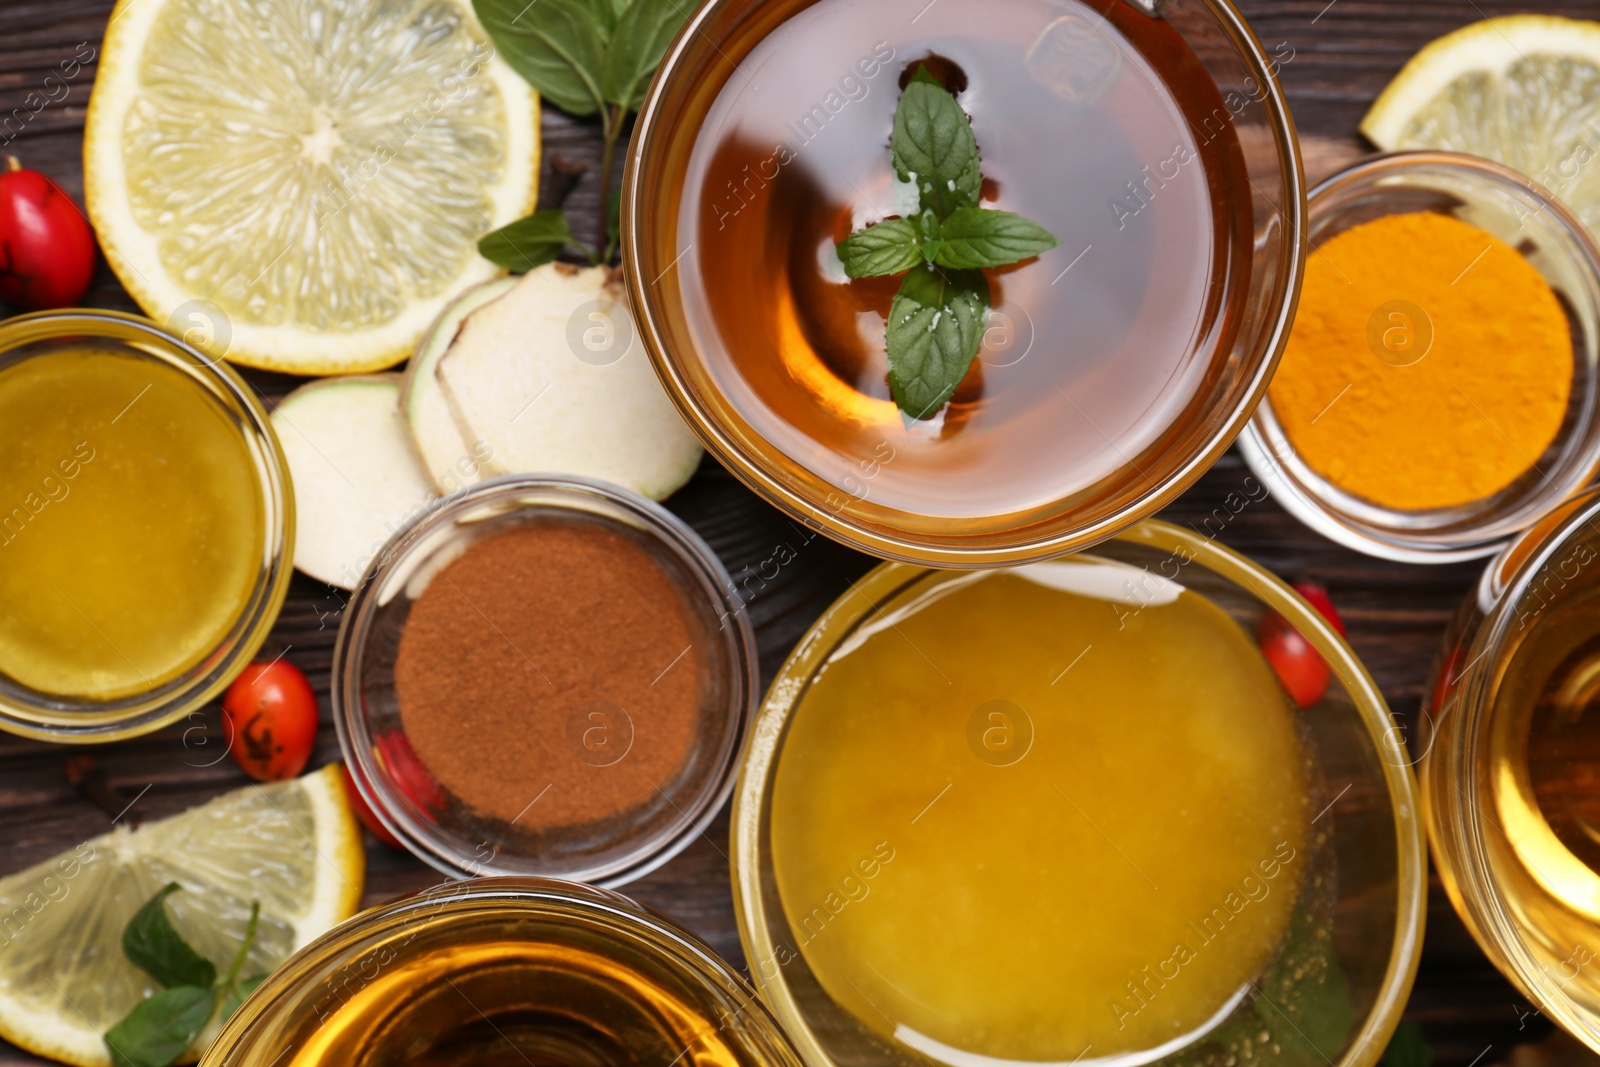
(834, 493)
(47, 717)
(1515, 209)
(1508, 765)
(439, 828)
(503, 972)
(1373, 845)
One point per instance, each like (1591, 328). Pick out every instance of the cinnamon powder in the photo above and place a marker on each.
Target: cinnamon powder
(549, 676)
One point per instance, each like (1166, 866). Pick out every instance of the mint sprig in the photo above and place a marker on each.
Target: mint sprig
(586, 57)
(936, 320)
(161, 1027)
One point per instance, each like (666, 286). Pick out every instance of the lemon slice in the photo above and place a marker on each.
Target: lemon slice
(1523, 90)
(294, 846)
(300, 185)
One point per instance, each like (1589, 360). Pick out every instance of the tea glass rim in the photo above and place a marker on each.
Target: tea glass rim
(348, 696)
(1389, 533)
(66, 721)
(788, 687)
(751, 468)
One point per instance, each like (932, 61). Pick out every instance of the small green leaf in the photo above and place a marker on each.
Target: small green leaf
(158, 1030)
(558, 47)
(979, 237)
(606, 13)
(527, 243)
(933, 140)
(239, 993)
(889, 247)
(936, 324)
(922, 74)
(151, 944)
(643, 33)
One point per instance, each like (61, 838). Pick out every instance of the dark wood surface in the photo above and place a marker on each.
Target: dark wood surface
(1343, 54)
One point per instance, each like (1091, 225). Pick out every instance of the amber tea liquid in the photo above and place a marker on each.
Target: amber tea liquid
(1094, 120)
(1544, 779)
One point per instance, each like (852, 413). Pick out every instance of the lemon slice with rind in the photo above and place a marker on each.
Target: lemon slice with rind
(300, 185)
(294, 846)
(1523, 90)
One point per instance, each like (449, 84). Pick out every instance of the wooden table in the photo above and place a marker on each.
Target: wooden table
(1343, 52)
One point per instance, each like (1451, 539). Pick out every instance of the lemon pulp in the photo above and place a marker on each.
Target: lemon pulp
(1016, 819)
(130, 523)
(301, 184)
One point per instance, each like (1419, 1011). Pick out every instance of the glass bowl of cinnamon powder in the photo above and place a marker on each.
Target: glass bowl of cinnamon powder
(545, 676)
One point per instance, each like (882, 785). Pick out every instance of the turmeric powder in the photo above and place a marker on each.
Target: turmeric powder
(1429, 365)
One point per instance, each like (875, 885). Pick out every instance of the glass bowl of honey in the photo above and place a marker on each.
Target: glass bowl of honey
(1066, 812)
(1157, 150)
(503, 972)
(1510, 762)
(1405, 340)
(146, 529)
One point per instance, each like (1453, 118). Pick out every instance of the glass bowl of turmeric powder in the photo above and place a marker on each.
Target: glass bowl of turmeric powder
(1438, 393)
(544, 676)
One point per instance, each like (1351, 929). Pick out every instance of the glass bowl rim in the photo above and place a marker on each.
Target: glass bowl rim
(1305, 502)
(1485, 912)
(553, 898)
(140, 714)
(753, 470)
(563, 491)
(750, 905)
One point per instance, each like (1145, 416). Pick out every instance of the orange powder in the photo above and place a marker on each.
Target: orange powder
(1429, 366)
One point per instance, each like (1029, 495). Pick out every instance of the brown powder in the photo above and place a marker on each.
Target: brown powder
(549, 676)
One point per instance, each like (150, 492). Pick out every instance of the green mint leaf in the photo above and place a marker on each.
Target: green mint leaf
(979, 237)
(1407, 1048)
(558, 46)
(157, 1031)
(527, 243)
(151, 944)
(922, 74)
(933, 140)
(606, 13)
(643, 33)
(889, 247)
(936, 324)
(238, 994)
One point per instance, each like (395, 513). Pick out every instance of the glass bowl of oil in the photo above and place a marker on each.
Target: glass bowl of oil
(503, 972)
(1065, 812)
(1113, 369)
(1558, 245)
(1511, 764)
(146, 529)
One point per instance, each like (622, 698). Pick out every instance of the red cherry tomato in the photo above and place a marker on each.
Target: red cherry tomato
(270, 714)
(46, 245)
(408, 772)
(1318, 598)
(363, 810)
(1297, 664)
(1444, 686)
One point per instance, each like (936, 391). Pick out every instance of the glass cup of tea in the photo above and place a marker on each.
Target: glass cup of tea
(1113, 368)
(1509, 760)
